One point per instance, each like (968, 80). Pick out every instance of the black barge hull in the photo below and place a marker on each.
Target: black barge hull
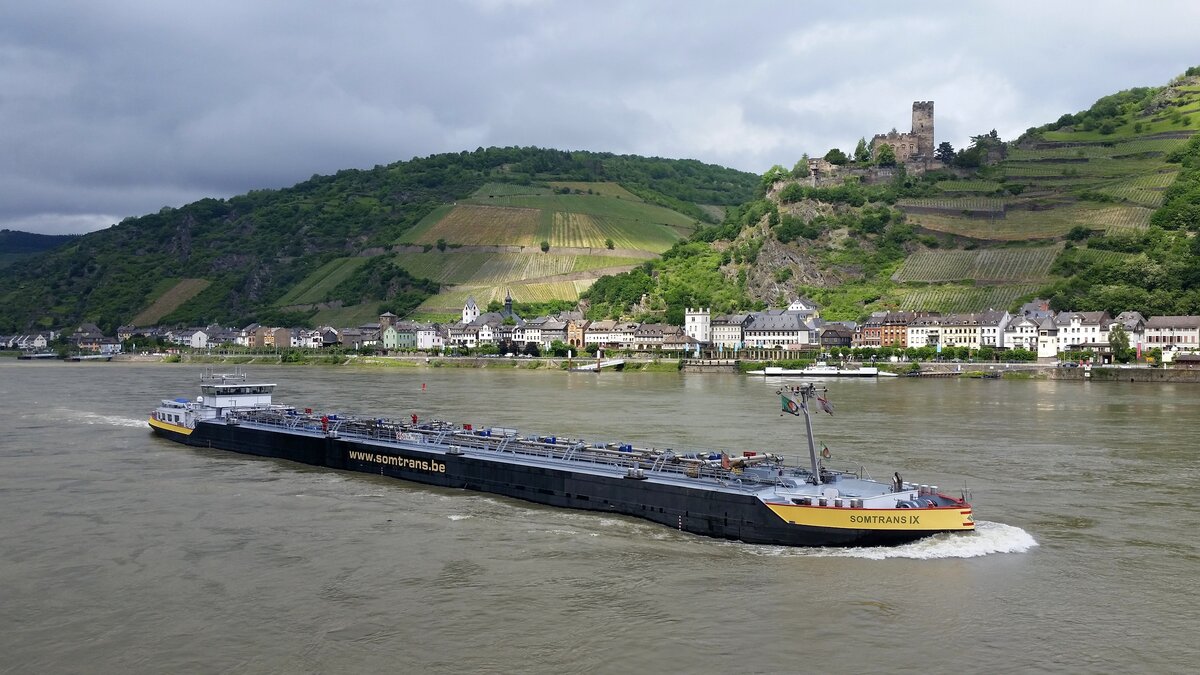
(701, 511)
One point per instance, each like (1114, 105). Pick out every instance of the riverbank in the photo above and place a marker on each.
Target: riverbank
(1008, 371)
(404, 361)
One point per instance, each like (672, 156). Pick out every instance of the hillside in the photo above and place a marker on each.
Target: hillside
(343, 248)
(15, 245)
(1095, 211)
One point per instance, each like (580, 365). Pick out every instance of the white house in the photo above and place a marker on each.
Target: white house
(729, 331)
(198, 340)
(1173, 332)
(698, 324)
(775, 328)
(1021, 332)
(924, 331)
(1076, 329)
(991, 327)
(1134, 325)
(428, 337)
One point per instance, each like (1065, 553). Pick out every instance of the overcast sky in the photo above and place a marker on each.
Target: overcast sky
(113, 109)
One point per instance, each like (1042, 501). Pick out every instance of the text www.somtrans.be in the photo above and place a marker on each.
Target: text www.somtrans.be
(402, 462)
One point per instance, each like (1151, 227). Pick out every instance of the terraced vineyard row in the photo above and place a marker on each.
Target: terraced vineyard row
(977, 204)
(1025, 224)
(451, 301)
(316, 286)
(572, 229)
(458, 268)
(1116, 219)
(1033, 170)
(1094, 168)
(480, 226)
(1149, 197)
(444, 268)
(603, 189)
(596, 205)
(177, 293)
(1012, 265)
(1163, 145)
(968, 185)
(544, 292)
(1097, 255)
(959, 299)
(491, 190)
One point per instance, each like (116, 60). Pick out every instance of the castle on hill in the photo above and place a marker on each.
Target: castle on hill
(917, 145)
(914, 151)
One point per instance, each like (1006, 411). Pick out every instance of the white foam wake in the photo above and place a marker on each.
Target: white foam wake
(94, 418)
(988, 538)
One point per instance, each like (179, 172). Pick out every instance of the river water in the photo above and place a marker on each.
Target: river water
(121, 552)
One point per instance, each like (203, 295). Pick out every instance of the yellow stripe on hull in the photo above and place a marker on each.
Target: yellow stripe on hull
(159, 424)
(941, 519)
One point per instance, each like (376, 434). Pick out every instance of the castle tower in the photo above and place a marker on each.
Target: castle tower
(470, 311)
(698, 324)
(922, 127)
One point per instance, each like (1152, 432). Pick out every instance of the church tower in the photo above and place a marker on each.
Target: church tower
(508, 303)
(470, 311)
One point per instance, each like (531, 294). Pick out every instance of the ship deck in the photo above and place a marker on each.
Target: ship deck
(767, 479)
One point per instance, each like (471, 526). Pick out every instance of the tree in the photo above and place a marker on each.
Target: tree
(545, 246)
(970, 159)
(608, 243)
(771, 177)
(441, 245)
(835, 156)
(1118, 339)
(801, 169)
(862, 152)
(989, 140)
(945, 153)
(885, 156)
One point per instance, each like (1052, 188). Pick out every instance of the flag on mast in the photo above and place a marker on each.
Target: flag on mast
(789, 405)
(825, 404)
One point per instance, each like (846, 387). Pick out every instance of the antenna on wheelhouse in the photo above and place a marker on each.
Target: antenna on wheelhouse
(806, 392)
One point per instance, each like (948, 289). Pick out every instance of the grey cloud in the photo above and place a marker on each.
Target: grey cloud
(124, 107)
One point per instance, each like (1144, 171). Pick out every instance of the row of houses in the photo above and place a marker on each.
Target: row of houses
(1035, 327)
(477, 328)
(797, 327)
(86, 338)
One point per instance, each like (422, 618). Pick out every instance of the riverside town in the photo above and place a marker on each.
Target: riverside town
(1034, 333)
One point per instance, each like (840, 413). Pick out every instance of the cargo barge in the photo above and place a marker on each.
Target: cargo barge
(755, 498)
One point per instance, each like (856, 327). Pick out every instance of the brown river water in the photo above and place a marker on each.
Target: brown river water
(124, 553)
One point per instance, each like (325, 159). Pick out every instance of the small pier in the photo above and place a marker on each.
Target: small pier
(710, 365)
(595, 367)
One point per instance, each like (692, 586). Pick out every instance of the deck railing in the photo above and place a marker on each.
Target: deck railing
(444, 436)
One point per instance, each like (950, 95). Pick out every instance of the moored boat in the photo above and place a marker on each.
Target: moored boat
(755, 497)
(818, 369)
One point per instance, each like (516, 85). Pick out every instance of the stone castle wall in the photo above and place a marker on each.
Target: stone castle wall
(916, 143)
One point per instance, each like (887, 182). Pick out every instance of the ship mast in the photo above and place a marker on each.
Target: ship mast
(808, 392)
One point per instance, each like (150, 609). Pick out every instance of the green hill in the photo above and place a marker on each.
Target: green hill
(15, 245)
(1097, 210)
(362, 241)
